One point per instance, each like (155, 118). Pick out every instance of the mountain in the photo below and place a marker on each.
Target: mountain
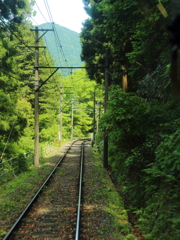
(70, 42)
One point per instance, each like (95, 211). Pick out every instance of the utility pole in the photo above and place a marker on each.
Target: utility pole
(94, 118)
(36, 137)
(99, 114)
(61, 113)
(36, 105)
(72, 119)
(105, 162)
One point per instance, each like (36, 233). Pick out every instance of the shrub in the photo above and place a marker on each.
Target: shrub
(144, 153)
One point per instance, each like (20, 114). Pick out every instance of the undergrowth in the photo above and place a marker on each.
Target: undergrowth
(112, 203)
(16, 194)
(144, 153)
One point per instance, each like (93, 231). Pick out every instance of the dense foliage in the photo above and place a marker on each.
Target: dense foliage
(136, 36)
(142, 120)
(144, 154)
(143, 124)
(17, 86)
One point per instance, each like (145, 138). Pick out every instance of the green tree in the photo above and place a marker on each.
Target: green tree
(15, 67)
(80, 89)
(132, 30)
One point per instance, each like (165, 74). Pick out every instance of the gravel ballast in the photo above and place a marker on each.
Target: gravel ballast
(104, 215)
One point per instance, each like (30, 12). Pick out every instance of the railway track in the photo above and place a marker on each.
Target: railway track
(54, 212)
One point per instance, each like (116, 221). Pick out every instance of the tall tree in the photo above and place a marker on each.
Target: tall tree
(16, 61)
(133, 30)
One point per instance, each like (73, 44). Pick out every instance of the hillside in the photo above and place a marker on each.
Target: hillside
(69, 41)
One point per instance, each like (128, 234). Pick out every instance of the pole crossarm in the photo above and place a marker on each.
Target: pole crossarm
(42, 30)
(46, 80)
(42, 35)
(37, 46)
(57, 68)
(66, 87)
(74, 67)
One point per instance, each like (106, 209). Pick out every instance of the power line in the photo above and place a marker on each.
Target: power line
(57, 50)
(10, 10)
(51, 71)
(48, 10)
(29, 16)
(40, 11)
(53, 26)
(55, 30)
(56, 40)
(20, 40)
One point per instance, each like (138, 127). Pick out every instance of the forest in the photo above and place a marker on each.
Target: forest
(143, 113)
(143, 116)
(17, 91)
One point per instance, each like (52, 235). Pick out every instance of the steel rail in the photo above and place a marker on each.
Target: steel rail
(80, 194)
(35, 196)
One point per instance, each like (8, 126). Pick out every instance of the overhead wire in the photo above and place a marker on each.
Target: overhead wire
(12, 32)
(38, 24)
(50, 17)
(29, 16)
(20, 40)
(50, 69)
(55, 32)
(10, 10)
(57, 40)
(40, 11)
(16, 35)
(46, 43)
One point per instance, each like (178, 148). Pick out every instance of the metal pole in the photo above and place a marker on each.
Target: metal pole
(36, 137)
(99, 115)
(105, 162)
(94, 119)
(60, 112)
(72, 119)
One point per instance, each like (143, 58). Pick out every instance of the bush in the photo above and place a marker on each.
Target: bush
(20, 164)
(144, 153)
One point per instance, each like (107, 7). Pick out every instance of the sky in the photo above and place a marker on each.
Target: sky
(66, 13)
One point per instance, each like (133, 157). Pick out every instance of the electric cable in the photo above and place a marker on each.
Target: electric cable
(20, 40)
(50, 70)
(10, 10)
(55, 31)
(29, 16)
(57, 40)
(49, 23)
(53, 27)
(40, 11)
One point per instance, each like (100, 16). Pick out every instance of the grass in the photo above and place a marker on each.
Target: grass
(16, 194)
(106, 198)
